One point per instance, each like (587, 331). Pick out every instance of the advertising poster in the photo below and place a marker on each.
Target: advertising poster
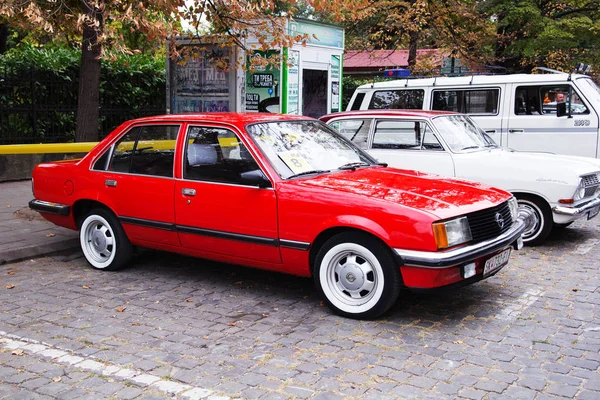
(335, 83)
(293, 82)
(262, 82)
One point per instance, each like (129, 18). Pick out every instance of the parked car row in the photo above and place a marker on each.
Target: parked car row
(365, 213)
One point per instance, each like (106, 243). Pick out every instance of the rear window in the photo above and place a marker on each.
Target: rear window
(468, 101)
(402, 99)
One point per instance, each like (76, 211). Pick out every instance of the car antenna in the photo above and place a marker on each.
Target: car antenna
(471, 82)
(434, 79)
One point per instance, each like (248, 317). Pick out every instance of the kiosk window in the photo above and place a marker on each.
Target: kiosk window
(403, 99)
(216, 155)
(468, 101)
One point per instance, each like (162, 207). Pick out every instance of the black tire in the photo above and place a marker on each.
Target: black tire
(562, 226)
(356, 275)
(103, 241)
(541, 225)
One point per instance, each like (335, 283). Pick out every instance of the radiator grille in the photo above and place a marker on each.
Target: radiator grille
(490, 223)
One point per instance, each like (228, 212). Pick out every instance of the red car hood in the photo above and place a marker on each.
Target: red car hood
(442, 197)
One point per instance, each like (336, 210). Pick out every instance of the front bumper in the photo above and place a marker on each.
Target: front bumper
(578, 210)
(462, 255)
(48, 207)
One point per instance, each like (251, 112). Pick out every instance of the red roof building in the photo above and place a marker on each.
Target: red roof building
(362, 62)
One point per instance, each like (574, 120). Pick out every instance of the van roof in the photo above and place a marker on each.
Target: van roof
(386, 113)
(473, 80)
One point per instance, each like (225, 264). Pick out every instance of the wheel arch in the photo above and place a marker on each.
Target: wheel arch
(83, 206)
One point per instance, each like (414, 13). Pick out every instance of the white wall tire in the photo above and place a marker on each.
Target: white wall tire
(540, 225)
(103, 241)
(357, 275)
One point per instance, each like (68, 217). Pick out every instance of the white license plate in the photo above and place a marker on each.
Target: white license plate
(593, 212)
(496, 262)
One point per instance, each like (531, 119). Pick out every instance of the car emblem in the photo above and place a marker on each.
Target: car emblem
(499, 220)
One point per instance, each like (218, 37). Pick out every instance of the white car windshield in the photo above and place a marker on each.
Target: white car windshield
(588, 86)
(297, 148)
(462, 134)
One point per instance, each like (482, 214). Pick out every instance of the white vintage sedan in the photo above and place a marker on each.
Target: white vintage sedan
(554, 190)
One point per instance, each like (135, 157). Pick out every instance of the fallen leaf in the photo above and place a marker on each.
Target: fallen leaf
(188, 300)
(231, 323)
(11, 272)
(10, 286)
(50, 235)
(574, 290)
(18, 352)
(239, 283)
(56, 379)
(135, 324)
(8, 206)
(322, 304)
(305, 297)
(265, 315)
(120, 309)
(205, 337)
(85, 287)
(457, 342)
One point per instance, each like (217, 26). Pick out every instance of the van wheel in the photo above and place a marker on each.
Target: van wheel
(356, 275)
(103, 241)
(540, 224)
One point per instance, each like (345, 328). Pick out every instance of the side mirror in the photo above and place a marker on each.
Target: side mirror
(255, 178)
(561, 109)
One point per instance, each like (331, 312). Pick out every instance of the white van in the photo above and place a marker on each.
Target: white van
(521, 111)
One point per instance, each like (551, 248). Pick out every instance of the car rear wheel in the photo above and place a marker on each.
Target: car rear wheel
(356, 275)
(103, 241)
(540, 223)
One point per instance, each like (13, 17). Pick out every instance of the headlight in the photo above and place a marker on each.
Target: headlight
(579, 192)
(452, 233)
(513, 206)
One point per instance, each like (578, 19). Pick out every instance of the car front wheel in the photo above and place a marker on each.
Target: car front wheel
(540, 222)
(103, 241)
(357, 276)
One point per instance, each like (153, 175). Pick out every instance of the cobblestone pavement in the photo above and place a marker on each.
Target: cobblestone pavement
(175, 326)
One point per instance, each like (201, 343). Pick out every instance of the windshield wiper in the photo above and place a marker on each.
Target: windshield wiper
(469, 147)
(354, 165)
(313, 171)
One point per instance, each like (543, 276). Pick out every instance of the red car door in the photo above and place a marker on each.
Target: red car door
(215, 211)
(137, 182)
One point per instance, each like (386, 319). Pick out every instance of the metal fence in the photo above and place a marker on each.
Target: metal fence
(38, 107)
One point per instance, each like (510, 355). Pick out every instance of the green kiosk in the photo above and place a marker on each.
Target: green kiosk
(307, 80)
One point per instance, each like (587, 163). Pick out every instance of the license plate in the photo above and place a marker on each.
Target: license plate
(593, 212)
(496, 262)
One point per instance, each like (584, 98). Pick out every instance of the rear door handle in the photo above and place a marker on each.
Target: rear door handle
(110, 182)
(188, 192)
(491, 131)
(516, 130)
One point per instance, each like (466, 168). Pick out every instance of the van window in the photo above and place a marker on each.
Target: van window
(403, 99)
(542, 100)
(355, 130)
(358, 101)
(468, 101)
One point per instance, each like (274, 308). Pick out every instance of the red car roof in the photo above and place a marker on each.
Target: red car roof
(231, 117)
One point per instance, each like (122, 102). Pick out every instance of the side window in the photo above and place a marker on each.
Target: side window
(479, 101)
(216, 155)
(392, 134)
(358, 101)
(404, 99)
(147, 150)
(430, 141)
(542, 100)
(355, 130)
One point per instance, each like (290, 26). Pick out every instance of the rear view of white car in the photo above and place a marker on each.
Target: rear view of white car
(554, 190)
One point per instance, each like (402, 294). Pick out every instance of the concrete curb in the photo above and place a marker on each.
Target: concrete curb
(38, 250)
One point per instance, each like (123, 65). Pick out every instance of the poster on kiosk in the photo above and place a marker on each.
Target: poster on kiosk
(304, 79)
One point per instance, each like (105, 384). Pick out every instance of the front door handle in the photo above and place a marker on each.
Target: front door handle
(516, 130)
(188, 192)
(110, 182)
(491, 131)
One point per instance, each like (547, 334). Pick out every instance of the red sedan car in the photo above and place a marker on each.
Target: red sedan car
(283, 193)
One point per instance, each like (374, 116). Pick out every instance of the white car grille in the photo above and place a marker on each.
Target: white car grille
(590, 183)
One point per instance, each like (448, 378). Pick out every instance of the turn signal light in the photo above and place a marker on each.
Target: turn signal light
(566, 201)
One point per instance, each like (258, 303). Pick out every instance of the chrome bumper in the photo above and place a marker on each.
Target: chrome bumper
(47, 207)
(443, 259)
(574, 211)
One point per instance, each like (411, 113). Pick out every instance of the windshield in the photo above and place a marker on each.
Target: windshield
(588, 86)
(301, 147)
(462, 134)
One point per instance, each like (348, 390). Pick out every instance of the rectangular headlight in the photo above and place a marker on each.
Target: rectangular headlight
(513, 206)
(452, 233)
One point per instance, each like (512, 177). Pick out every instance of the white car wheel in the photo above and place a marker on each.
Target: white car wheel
(103, 241)
(540, 222)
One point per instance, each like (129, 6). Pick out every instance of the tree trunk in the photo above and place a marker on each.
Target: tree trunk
(88, 101)
(412, 49)
(3, 37)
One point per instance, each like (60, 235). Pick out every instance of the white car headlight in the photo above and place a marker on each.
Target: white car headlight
(452, 233)
(579, 192)
(513, 206)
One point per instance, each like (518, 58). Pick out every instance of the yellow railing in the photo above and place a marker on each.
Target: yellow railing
(46, 148)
